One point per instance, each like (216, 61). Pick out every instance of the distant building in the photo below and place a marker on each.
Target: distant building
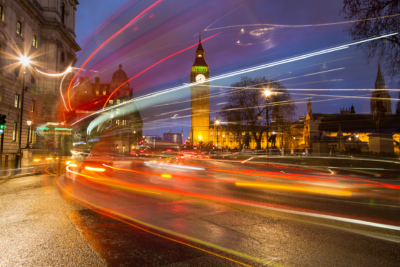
(173, 137)
(346, 131)
(151, 138)
(123, 129)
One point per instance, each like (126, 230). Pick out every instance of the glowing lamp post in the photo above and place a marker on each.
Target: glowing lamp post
(29, 123)
(267, 94)
(217, 122)
(25, 62)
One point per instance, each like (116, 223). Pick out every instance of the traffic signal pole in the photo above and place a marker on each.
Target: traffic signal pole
(2, 129)
(1, 151)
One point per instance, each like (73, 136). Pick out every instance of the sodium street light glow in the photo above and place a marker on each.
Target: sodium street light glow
(25, 61)
(267, 93)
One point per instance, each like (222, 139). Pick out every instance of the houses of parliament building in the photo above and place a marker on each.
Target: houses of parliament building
(319, 132)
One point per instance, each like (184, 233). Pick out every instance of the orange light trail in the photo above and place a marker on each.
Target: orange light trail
(175, 176)
(155, 65)
(275, 176)
(95, 169)
(103, 44)
(295, 188)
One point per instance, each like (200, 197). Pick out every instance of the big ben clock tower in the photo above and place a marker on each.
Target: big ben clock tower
(199, 131)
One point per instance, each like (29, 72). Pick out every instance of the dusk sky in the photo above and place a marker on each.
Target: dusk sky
(251, 33)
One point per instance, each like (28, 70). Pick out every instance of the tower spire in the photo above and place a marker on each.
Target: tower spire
(380, 81)
(199, 36)
(379, 70)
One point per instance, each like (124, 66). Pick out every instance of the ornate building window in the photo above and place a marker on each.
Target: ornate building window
(34, 41)
(62, 13)
(33, 80)
(111, 102)
(15, 131)
(33, 106)
(118, 101)
(16, 102)
(1, 13)
(97, 92)
(19, 27)
(117, 122)
(104, 92)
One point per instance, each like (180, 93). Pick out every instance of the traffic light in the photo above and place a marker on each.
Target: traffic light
(2, 121)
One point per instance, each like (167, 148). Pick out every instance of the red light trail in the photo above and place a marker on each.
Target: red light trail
(155, 65)
(103, 44)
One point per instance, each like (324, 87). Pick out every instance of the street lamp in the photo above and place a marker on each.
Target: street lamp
(217, 122)
(267, 94)
(29, 123)
(25, 62)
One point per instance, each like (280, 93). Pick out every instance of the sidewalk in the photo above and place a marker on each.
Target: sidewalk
(35, 228)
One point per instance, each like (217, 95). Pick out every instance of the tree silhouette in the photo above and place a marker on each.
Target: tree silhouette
(373, 18)
(250, 110)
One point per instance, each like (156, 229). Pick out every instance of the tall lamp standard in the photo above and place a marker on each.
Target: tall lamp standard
(267, 94)
(217, 122)
(25, 62)
(29, 122)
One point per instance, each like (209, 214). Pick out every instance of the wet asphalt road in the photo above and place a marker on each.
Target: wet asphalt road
(153, 225)
(195, 205)
(41, 227)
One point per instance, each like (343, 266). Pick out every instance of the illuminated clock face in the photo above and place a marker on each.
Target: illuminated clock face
(200, 78)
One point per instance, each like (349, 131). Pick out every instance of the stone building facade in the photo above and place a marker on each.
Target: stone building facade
(122, 131)
(43, 31)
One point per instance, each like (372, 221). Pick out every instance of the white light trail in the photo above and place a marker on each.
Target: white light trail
(54, 74)
(62, 96)
(94, 124)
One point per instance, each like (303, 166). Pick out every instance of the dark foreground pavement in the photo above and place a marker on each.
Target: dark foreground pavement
(40, 227)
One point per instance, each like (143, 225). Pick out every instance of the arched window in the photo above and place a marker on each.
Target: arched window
(62, 12)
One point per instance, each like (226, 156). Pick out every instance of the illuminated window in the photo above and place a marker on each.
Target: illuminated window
(19, 28)
(16, 102)
(123, 122)
(15, 131)
(117, 122)
(85, 92)
(30, 138)
(118, 101)
(97, 92)
(33, 106)
(199, 55)
(34, 41)
(111, 102)
(104, 92)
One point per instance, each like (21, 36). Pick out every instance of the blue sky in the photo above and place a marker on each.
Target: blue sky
(158, 34)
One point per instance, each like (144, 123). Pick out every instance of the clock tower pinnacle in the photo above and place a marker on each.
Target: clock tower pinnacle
(200, 117)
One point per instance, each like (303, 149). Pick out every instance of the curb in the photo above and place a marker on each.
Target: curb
(19, 175)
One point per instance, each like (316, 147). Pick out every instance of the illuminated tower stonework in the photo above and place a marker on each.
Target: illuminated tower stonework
(200, 119)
